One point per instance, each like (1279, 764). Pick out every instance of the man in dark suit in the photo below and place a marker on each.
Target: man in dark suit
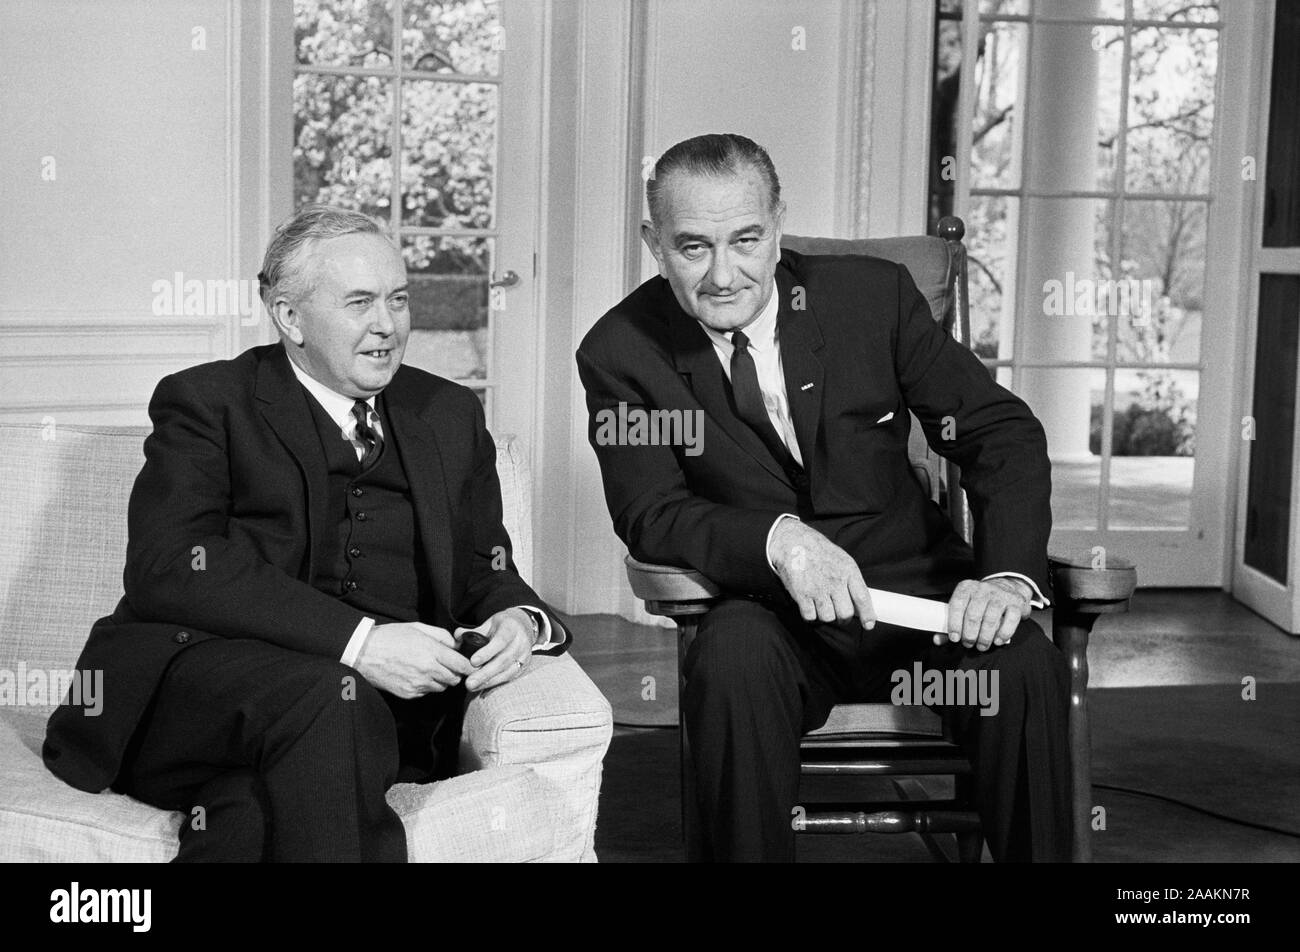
(803, 370)
(312, 523)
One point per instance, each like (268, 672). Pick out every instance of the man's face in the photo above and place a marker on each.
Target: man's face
(349, 329)
(717, 245)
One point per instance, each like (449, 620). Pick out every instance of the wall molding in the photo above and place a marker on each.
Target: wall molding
(853, 178)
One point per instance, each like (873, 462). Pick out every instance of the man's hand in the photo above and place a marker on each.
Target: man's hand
(410, 659)
(822, 578)
(987, 613)
(508, 651)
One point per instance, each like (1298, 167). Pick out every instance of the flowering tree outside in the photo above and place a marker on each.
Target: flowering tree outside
(344, 139)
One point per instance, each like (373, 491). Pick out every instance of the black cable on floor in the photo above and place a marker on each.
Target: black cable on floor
(1192, 806)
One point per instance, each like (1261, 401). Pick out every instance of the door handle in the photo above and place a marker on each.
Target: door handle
(507, 280)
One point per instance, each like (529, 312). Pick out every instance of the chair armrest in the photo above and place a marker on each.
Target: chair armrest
(1077, 584)
(544, 714)
(669, 590)
(554, 720)
(1089, 586)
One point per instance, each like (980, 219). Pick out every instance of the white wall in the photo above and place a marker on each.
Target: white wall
(121, 163)
(767, 69)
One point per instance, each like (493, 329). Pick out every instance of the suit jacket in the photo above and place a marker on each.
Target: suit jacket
(223, 519)
(861, 352)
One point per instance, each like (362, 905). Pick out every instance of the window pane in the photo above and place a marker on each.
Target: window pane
(1066, 259)
(454, 36)
(1152, 449)
(1159, 298)
(449, 304)
(991, 247)
(1202, 11)
(1072, 119)
(341, 151)
(1068, 402)
(449, 143)
(995, 151)
(1171, 110)
(343, 32)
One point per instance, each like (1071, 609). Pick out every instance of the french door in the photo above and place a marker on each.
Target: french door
(1083, 142)
(438, 133)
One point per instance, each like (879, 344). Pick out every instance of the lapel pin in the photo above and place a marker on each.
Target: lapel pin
(807, 386)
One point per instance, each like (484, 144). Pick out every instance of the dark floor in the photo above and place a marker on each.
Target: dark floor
(1168, 718)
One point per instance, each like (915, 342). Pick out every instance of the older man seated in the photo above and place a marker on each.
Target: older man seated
(314, 529)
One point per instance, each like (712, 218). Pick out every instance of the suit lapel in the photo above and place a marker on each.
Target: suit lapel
(697, 361)
(285, 409)
(417, 445)
(800, 339)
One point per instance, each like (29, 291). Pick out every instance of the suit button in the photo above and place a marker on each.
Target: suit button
(350, 585)
(358, 491)
(354, 552)
(181, 637)
(361, 517)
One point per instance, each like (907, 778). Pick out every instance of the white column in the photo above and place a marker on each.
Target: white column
(1061, 126)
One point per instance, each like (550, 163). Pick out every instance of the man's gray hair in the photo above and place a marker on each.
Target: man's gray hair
(284, 269)
(712, 155)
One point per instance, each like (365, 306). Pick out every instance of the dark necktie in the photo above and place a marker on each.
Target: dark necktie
(749, 401)
(366, 433)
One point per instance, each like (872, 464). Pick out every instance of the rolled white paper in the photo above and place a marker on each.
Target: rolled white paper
(908, 611)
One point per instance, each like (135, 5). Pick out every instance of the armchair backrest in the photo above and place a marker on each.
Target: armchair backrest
(64, 544)
(938, 266)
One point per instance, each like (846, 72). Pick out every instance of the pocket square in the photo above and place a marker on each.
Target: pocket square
(886, 418)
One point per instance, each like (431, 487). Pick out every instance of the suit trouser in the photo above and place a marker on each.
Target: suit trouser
(278, 755)
(758, 677)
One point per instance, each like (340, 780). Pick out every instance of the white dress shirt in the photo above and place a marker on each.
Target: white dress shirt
(765, 346)
(339, 409)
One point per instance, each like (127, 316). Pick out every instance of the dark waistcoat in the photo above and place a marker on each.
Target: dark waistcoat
(371, 556)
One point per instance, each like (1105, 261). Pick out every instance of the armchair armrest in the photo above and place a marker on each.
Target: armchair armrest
(553, 719)
(669, 590)
(1092, 589)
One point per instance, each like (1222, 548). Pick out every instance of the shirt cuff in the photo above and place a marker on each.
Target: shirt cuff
(358, 641)
(1037, 600)
(543, 628)
(767, 546)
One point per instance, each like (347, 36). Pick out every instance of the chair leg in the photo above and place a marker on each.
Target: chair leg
(970, 846)
(690, 801)
(1070, 632)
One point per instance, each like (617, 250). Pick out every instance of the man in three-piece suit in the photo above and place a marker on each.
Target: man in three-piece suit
(312, 523)
(803, 370)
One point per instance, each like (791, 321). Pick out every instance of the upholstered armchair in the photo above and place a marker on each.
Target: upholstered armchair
(531, 749)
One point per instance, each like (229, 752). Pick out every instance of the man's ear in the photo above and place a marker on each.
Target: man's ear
(651, 238)
(287, 320)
